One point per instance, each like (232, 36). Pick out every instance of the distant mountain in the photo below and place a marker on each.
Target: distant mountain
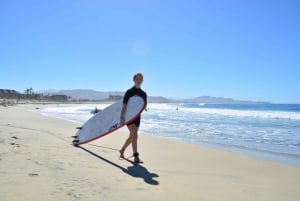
(220, 100)
(88, 94)
(157, 99)
(51, 91)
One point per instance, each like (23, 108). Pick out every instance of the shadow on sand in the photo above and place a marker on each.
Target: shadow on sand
(136, 170)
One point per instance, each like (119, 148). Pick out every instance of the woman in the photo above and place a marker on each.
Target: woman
(133, 127)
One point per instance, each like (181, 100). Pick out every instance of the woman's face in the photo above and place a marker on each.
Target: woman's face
(138, 81)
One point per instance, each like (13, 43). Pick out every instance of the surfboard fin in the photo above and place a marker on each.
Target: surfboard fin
(79, 128)
(74, 136)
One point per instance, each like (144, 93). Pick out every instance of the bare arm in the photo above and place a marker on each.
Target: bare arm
(122, 115)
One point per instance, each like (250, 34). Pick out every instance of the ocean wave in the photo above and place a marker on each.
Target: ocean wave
(276, 131)
(198, 109)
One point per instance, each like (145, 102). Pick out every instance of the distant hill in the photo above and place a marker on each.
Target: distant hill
(157, 99)
(88, 94)
(220, 100)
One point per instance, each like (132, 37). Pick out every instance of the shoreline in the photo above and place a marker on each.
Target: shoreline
(287, 158)
(255, 153)
(39, 163)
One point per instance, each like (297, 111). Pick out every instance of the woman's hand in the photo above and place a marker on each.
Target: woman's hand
(122, 121)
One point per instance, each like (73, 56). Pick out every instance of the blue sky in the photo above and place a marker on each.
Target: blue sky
(241, 49)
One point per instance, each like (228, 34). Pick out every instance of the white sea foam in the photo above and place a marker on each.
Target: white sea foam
(267, 131)
(228, 112)
(75, 113)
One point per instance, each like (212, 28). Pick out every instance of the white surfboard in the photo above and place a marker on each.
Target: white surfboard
(108, 120)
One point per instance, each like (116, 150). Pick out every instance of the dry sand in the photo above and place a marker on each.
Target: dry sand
(38, 162)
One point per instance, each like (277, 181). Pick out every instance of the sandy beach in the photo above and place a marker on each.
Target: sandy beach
(38, 162)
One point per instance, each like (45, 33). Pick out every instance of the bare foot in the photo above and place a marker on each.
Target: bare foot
(121, 153)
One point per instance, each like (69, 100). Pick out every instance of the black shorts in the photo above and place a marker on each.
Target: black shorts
(137, 121)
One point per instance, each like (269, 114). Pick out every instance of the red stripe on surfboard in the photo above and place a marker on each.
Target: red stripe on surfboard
(111, 131)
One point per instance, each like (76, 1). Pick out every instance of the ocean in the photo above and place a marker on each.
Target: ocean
(269, 131)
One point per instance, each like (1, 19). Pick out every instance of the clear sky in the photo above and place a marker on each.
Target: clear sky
(241, 49)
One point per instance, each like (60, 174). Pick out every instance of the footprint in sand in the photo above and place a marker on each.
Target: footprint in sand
(33, 174)
(14, 144)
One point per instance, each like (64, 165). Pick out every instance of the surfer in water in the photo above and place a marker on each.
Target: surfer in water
(133, 127)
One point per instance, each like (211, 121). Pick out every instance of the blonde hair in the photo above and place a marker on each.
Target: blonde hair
(137, 74)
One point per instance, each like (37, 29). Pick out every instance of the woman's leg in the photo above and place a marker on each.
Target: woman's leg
(132, 139)
(133, 129)
(126, 144)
